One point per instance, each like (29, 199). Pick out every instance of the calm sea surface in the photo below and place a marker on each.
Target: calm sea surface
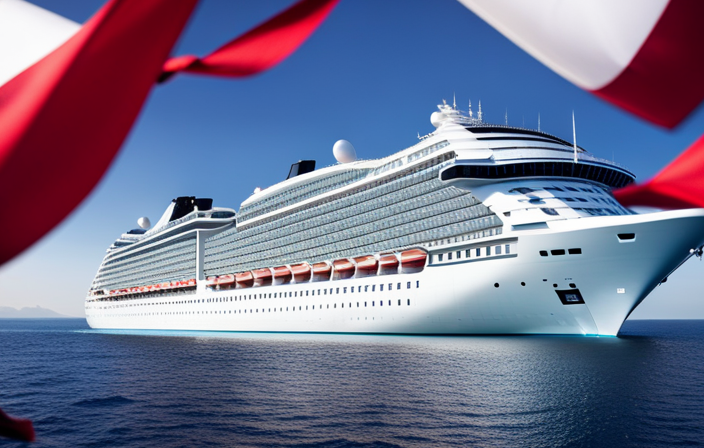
(85, 388)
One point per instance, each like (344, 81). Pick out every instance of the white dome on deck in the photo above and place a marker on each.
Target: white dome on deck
(344, 151)
(144, 222)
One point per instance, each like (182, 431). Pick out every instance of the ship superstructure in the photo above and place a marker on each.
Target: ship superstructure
(476, 229)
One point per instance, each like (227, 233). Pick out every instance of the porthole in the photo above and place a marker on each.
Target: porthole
(496, 285)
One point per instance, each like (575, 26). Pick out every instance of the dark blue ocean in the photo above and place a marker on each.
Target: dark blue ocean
(85, 388)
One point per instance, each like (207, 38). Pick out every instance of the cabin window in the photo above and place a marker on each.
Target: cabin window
(459, 254)
(439, 257)
(372, 303)
(409, 302)
(478, 252)
(498, 250)
(468, 253)
(417, 283)
(408, 285)
(508, 248)
(366, 288)
(337, 290)
(488, 251)
(398, 286)
(381, 287)
(373, 288)
(557, 251)
(449, 256)
(344, 290)
(365, 304)
(543, 253)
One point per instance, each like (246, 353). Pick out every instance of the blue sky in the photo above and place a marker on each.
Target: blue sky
(372, 74)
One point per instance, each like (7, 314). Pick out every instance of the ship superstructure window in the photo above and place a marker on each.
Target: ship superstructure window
(609, 176)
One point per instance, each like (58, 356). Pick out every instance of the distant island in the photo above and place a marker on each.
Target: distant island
(7, 312)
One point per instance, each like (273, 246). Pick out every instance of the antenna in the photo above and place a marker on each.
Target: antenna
(524, 121)
(506, 117)
(538, 121)
(470, 108)
(479, 114)
(454, 101)
(574, 138)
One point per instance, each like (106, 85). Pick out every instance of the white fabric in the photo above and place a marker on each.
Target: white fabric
(588, 42)
(27, 34)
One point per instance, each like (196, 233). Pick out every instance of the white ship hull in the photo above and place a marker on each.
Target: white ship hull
(511, 293)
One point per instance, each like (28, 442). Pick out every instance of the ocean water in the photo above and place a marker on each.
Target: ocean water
(85, 388)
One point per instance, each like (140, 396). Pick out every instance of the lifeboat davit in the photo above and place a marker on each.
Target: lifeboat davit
(388, 263)
(321, 271)
(226, 280)
(282, 275)
(244, 279)
(413, 259)
(367, 265)
(344, 268)
(262, 277)
(301, 272)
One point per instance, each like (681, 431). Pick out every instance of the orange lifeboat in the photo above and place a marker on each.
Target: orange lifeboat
(367, 265)
(389, 263)
(301, 272)
(321, 271)
(244, 279)
(344, 268)
(413, 259)
(282, 275)
(262, 277)
(226, 280)
(190, 282)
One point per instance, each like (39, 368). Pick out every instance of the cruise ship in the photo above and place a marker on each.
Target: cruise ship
(476, 229)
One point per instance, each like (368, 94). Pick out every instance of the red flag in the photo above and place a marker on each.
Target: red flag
(644, 57)
(16, 428)
(260, 48)
(65, 117)
(679, 185)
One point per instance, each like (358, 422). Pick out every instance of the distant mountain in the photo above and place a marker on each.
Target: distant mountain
(7, 312)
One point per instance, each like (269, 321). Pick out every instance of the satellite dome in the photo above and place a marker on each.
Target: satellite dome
(436, 118)
(344, 151)
(257, 190)
(144, 222)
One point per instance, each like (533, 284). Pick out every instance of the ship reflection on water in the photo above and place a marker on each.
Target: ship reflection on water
(251, 389)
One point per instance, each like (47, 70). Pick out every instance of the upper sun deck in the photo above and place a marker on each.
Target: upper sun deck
(176, 221)
(468, 137)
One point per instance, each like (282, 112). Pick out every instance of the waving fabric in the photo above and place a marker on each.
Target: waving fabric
(65, 117)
